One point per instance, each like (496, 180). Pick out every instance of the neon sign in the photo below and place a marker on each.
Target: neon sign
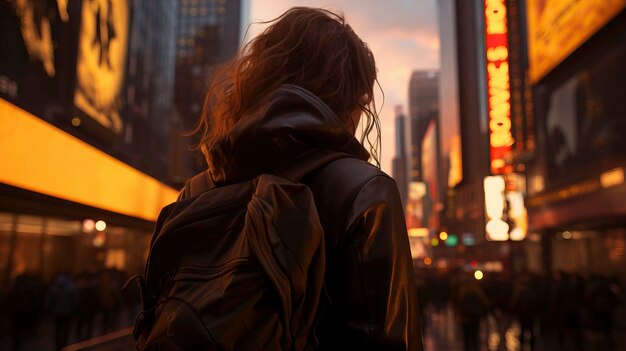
(499, 93)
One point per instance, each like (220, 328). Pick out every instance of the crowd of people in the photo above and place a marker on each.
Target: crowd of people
(562, 307)
(78, 307)
(562, 310)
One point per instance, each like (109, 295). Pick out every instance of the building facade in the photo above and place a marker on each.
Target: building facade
(85, 126)
(208, 34)
(473, 115)
(399, 162)
(423, 106)
(542, 164)
(451, 161)
(149, 87)
(576, 191)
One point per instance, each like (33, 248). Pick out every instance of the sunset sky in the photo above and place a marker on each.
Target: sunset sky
(402, 34)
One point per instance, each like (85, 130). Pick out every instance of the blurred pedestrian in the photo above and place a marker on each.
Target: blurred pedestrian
(88, 304)
(472, 305)
(525, 305)
(602, 299)
(61, 300)
(498, 287)
(110, 299)
(25, 301)
(569, 301)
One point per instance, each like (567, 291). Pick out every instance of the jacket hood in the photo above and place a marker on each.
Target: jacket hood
(293, 124)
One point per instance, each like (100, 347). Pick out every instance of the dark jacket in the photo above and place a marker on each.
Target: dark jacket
(371, 296)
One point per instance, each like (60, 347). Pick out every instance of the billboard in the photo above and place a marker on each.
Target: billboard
(101, 64)
(498, 83)
(36, 54)
(57, 55)
(414, 210)
(505, 212)
(557, 27)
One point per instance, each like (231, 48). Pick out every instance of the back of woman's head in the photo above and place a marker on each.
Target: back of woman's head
(312, 48)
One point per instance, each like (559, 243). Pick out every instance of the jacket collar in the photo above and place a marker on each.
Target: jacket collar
(293, 124)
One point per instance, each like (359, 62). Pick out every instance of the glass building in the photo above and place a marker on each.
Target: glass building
(208, 34)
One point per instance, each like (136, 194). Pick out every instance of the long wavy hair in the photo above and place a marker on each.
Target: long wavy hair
(312, 48)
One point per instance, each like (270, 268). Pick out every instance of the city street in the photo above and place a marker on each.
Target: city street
(269, 171)
(442, 332)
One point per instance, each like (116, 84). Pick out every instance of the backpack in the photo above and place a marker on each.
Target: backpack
(235, 267)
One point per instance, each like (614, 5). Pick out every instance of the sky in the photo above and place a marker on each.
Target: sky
(402, 34)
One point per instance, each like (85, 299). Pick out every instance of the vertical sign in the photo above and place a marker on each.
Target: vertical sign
(499, 93)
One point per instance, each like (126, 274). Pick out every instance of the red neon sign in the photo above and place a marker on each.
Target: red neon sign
(499, 94)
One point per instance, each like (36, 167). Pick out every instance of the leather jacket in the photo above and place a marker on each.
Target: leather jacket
(371, 300)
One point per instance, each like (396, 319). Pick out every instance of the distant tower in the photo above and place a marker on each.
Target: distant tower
(423, 106)
(399, 162)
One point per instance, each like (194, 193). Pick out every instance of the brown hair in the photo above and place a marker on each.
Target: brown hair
(312, 48)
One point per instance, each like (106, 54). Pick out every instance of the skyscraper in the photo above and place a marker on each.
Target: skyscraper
(423, 106)
(196, 17)
(208, 34)
(399, 162)
(450, 134)
(149, 87)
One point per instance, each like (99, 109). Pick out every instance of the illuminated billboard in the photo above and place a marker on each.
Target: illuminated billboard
(101, 61)
(430, 175)
(414, 211)
(557, 27)
(74, 170)
(35, 58)
(506, 215)
(499, 94)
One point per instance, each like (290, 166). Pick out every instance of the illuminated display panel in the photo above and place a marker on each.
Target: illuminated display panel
(498, 83)
(557, 27)
(41, 158)
(102, 61)
(505, 212)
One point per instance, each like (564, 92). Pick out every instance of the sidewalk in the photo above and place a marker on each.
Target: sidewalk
(43, 337)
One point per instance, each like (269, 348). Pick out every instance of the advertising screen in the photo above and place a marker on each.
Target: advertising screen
(101, 62)
(35, 58)
(557, 27)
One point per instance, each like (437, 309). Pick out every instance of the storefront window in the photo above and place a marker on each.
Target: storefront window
(590, 252)
(46, 246)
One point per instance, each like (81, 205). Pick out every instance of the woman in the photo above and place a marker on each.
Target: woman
(303, 85)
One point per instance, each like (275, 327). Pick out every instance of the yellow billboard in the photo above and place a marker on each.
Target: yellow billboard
(557, 27)
(42, 158)
(102, 61)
